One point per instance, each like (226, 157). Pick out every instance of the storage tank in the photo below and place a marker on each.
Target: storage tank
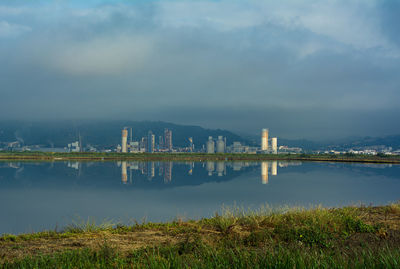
(220, 145)
(264, 139)
(124, 140)
(210, 145)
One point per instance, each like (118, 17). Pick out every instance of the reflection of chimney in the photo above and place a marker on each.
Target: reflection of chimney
(124, 173)
(264, 172)
(274, 168)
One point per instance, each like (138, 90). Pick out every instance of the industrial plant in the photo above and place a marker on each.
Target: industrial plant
(213, 145)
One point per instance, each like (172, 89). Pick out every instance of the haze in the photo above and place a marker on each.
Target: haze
(303, 69)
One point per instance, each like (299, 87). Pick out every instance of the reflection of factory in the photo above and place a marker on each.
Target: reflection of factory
(218, 168)
(146, 168)
(265, 167)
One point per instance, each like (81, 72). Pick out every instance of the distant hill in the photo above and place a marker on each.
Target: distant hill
(104, 133)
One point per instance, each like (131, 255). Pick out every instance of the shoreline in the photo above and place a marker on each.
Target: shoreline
(44, 156)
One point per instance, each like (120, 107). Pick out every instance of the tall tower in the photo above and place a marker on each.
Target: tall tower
(274, 145)
(264, 139)
(168, 139)
(150, 142)
(124, 140)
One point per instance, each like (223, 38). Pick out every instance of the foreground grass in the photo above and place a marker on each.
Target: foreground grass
(91, 156)
(351, 237)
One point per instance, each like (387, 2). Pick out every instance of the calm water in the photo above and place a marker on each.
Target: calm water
(43, 195)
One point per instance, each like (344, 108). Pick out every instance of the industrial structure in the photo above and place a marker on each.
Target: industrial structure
(274, 145)
(210, 145)
(221, 144)
(264, 140)
(151, 141)
(124, 147)
(168, 139)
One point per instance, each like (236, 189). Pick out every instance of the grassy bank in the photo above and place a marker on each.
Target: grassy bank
(351, 237)
(89, 156)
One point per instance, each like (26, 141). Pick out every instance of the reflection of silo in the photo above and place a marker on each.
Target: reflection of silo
(220, 145)
(124, 173)
(210, 166)
(124, 140)
(264, 139)
(210, 145)
(237, 166)
(264, 172)
(220, 168)
(274, 145)
(274, 168)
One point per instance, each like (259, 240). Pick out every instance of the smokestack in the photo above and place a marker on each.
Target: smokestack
(124, 140)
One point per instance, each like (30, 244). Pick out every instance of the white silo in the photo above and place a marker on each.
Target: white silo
(274, 145)
(264, 139)
(220, 145)
(210, 145)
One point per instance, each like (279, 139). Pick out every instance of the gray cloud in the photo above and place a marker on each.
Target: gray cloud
(304, 69)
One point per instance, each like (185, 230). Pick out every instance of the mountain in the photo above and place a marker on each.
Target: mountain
(104, 133)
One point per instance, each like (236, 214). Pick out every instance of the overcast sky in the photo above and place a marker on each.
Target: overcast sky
(303, 69)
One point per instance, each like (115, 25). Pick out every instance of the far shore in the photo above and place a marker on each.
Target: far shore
(90, 156)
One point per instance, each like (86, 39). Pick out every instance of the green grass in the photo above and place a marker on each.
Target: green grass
(350, 237)
(197, 254)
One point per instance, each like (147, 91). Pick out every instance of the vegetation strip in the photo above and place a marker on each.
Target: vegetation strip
(88, 156)
(350, 237)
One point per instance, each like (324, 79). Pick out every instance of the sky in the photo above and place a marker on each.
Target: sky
(304, 69)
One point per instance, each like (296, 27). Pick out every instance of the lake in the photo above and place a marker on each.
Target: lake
(36, 196)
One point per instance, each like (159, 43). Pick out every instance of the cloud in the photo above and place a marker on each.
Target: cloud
(8, 30)
(100, 56)
(305, 62)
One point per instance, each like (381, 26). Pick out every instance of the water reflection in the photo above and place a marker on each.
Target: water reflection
(213, 168)
(39, 195)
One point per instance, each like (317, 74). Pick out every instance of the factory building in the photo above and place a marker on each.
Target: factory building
(274, 145)
(124, 140)
(221, 144)
(168, 139)
(210, 145)
(264, 140)
(151, 141)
